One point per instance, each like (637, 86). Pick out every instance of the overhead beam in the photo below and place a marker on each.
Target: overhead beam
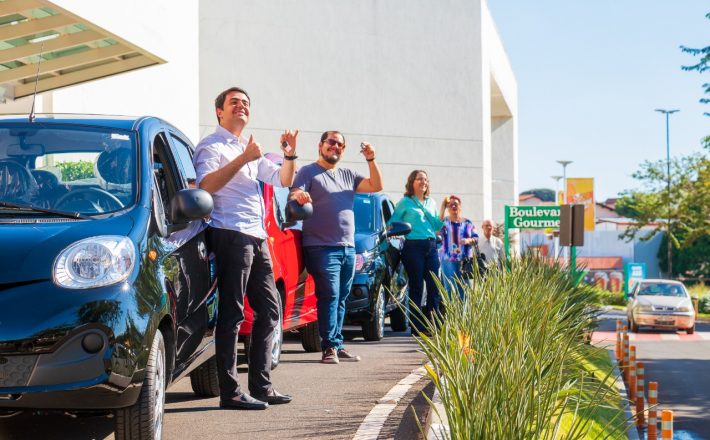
(65, 62)
(62, 42)
(9, 7)
(35, 26)
(83, 75)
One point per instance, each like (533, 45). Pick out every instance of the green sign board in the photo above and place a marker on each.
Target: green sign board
(532, 217)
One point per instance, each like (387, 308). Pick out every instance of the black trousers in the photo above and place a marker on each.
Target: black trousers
(244, 268)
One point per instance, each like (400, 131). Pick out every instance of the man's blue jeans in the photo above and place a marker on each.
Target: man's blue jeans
(332, 269)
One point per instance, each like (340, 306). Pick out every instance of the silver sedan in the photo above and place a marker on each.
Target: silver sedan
(661, 304)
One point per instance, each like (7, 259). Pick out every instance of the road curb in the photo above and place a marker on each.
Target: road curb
(631, 431)
(436, 425)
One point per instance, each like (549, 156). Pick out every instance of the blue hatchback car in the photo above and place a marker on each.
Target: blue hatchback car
(106, 289)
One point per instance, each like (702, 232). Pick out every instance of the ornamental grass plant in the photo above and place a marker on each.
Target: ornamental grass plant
(511, 359)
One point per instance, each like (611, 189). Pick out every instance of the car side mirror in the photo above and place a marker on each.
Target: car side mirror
(190, 204)
(398, 228)
(295, 211)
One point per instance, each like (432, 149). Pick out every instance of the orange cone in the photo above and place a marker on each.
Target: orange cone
(667, 425)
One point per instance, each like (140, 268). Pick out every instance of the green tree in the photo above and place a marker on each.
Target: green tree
(544, 194)
(76, 170)
(689, 211)
(701, 66)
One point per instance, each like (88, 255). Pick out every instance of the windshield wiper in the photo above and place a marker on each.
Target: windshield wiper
(75, 215)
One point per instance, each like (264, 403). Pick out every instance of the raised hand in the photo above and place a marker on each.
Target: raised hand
(302, 197)
(367, 150)
(253, 150)
(288, 142)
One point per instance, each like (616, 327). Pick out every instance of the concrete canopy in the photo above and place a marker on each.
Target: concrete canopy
(69, 49)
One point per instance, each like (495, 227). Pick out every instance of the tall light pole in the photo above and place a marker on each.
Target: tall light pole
(668, 171)
(564, 164)
(557, 189)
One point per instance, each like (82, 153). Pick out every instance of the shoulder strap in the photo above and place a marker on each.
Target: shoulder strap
(426, 213)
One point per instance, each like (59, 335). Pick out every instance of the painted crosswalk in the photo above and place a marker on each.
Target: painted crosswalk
(603, 337)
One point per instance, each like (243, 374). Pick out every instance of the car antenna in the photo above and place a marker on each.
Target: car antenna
(34, 94)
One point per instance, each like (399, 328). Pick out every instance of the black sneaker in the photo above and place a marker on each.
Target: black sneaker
(346, 356)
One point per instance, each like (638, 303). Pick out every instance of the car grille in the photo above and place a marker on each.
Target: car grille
(664, 308)
(15, 371)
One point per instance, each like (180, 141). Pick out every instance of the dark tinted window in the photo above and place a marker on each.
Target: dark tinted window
(183, 157)
(364, 214)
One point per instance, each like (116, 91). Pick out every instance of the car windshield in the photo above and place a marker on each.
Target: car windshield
(661, 289)
(364, 209)
(74, 169)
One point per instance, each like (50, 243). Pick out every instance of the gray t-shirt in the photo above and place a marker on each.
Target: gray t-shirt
(333, 195)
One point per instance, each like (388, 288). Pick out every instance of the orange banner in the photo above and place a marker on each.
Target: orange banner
(580, 191)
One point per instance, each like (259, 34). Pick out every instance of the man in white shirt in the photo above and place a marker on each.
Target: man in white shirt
(490, 245)
(229, 166)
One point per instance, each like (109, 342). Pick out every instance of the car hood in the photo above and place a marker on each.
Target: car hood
(365, 241)
(29, 250)
(664, 301)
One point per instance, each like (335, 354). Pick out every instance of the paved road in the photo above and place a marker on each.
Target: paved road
(679, 363)
(330, 401)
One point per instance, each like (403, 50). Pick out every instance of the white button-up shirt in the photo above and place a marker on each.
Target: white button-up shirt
(239, 204)
(492, 248)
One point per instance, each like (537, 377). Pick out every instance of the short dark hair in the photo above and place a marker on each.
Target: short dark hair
(325, 135)
(219, 100)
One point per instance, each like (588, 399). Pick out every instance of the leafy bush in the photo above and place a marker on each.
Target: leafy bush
(607, 298)
(511, 360)
(76, 170)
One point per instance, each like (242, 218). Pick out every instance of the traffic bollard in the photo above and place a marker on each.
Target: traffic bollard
(625, 348)
(618, 341)
(640, 419)
(632, 373)
(667, 425)
(652, 405)
(640, 379)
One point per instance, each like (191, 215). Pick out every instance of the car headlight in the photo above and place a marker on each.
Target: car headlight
(683, 309)
(364, 260)
(645, 308)
(95, 262)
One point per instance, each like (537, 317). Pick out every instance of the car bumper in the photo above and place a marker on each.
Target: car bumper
(665, 320)
(68, 349)
(357, 306)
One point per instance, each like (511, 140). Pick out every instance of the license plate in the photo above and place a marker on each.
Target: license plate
(665, 321)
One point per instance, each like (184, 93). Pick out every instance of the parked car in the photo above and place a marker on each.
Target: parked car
(108, 293)
(380, 282)
(662, 304)
(296, 286)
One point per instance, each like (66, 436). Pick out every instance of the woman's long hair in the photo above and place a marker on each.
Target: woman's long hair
(409, 187)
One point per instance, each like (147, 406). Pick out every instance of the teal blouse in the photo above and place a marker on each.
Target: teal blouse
(409, 210)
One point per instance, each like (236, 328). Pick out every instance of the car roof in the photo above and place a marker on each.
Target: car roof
(108, 121)
(659, 281)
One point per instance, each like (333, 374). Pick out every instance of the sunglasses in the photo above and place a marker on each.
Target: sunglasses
(333, 142)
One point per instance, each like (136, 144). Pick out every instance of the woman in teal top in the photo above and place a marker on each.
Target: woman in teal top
(419, 254)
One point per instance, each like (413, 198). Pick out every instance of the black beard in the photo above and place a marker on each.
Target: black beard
(331, 160)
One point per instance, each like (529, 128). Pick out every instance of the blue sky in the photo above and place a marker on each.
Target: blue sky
(591, 73)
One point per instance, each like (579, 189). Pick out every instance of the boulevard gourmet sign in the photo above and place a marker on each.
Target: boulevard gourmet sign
(532, 217)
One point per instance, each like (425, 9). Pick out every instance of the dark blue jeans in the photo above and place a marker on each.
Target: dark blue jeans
(332, 269)
(421, 261)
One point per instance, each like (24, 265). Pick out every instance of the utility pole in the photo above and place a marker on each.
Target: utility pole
(668, 175)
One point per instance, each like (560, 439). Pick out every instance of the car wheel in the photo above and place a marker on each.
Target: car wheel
(310, 338)
(204, 379)
(278, 341)
(144, 420)
(398, 317)
(690, 330)
(374, 329)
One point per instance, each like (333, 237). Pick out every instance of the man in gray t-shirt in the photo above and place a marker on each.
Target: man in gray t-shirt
(328, 236)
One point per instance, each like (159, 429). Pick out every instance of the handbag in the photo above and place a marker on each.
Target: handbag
(468, 266)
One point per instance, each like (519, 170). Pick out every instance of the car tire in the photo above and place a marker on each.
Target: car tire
(144, 419)
(374, 329)
(690, 330)
(398, 317)
(277, 344)
(310, 337)
(204, 379)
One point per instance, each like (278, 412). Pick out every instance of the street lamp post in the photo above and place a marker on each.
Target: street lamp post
(557, 189)
(564, 164)
(668, 181)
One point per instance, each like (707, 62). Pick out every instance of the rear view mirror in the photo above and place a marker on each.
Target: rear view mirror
(190, 204)
(295, 211)
(398, 228)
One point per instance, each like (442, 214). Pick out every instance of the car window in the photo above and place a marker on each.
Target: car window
(364, 209)
(662, 289)
(387, 209)
(69, 168)
(182, 152)
(163, 173)
(280, 200)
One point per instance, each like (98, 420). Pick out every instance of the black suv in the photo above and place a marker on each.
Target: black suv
(107, 288)
(380, 280)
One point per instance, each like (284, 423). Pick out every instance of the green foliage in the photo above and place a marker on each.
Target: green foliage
(701, 66)
(511, 360)
(607, 298)
(689, 205)
(544, 194)
(76, 170)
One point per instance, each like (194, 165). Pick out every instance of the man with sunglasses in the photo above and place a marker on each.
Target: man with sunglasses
(329, 235)
(229, 166)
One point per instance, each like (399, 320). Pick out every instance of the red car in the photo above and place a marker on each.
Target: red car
(296, 286)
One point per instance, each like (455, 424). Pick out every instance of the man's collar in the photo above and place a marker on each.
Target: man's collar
(229, 136)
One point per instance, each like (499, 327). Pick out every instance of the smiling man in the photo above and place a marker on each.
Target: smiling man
(230, 167)
(329, 235)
